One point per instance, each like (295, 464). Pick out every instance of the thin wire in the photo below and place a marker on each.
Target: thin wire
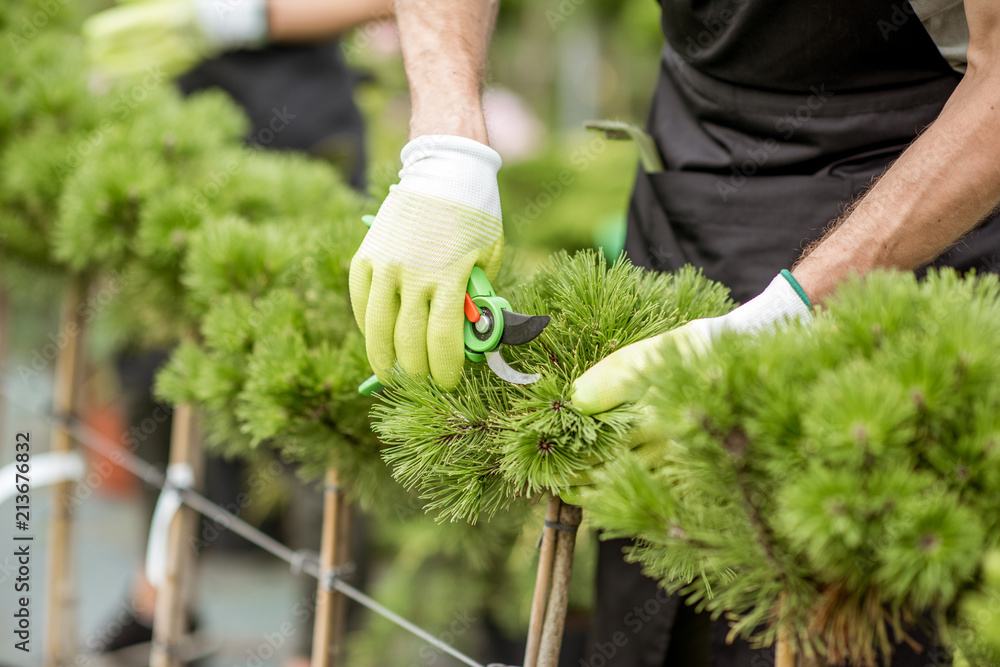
(153, 476)
(366, 601)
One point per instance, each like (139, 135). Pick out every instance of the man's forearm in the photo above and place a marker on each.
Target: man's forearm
(444, 46)
(304, 20)
(945, 183)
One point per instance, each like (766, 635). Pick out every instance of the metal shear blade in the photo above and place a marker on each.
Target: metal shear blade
(503, 370)
(520, 329)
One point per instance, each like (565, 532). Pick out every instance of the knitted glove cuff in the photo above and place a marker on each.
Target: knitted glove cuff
(454, 169)
(783, 300)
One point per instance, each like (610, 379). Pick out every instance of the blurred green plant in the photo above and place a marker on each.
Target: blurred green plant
(279, 359)
(45, 111)
(525, 53)
(567, 198)
(978, 625)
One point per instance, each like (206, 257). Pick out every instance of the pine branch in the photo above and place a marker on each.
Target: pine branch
(737, 444)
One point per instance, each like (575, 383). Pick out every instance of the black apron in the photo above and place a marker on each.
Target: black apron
(755, 172)
(752, 177)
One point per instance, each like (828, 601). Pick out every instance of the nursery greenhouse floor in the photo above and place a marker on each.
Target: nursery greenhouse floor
(236, 617)
(109, 539)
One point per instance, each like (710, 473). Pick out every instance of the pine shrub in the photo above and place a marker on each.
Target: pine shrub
(839, 481)
(241, 253)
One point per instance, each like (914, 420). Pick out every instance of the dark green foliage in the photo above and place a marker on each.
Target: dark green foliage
(473, 451)
(851, 468)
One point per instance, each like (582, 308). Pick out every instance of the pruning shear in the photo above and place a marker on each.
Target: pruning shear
(489, 325)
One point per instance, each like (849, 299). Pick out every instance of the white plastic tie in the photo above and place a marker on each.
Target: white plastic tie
(179, 476)
(45, 469)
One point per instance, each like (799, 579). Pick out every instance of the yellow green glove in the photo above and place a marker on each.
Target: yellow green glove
(172, 35)
(619, 377)
(409, 276)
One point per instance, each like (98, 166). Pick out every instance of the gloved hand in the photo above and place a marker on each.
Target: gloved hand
(409, 276)
(173, 35)
(646, 444)
(617, 379)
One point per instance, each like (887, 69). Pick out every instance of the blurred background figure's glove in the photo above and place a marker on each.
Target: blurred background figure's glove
(408, 279)
(618, 379)
(174, 35)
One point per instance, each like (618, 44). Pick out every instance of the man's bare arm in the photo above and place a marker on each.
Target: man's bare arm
(444, 46)
(942, 186)
(305, 20)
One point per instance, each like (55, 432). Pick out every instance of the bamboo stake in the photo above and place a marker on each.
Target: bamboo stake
(170, 618)
(4, 320)
(562, 572)
(784, 651)
(331, 606)
(60, 597)
(343, 556)
(546, 557)
(784, 655)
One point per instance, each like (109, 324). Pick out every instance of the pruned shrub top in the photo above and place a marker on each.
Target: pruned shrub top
(475, 450)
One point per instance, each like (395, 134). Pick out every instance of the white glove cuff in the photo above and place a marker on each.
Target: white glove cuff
(233, 24)
(783, 300)
(455, 169)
